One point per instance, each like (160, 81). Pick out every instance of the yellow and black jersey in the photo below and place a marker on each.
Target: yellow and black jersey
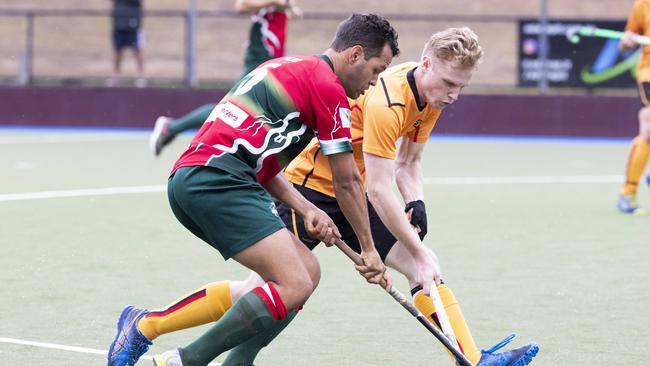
(639, 23)
(380, 117)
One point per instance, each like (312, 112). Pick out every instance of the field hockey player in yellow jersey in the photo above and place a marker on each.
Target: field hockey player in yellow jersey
(638, 23)
(403, 107)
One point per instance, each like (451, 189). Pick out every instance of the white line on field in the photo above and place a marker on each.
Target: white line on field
(586, 179)
(525, 180)
(57, 346)
(56, 139)
(81, 192)
(62, 347)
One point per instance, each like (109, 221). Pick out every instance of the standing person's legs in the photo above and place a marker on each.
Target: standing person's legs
(117, 61)
(138, 51)
(637, 157)
(118, 48)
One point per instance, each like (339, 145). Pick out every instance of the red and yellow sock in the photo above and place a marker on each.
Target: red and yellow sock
(206, 304)
(636, 163)
(456, 318)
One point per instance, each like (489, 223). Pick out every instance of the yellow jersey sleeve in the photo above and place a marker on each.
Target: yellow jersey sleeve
(636, 20)
(639, 23)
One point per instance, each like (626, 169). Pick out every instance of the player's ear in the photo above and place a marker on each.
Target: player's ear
(356, 54)
(426, 62)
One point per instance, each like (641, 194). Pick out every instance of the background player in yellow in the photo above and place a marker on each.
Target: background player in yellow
(638, 23)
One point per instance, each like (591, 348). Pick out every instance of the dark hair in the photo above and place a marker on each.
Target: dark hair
(370, 31)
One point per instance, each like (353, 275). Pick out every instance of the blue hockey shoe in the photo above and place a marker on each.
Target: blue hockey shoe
(628, 204)
(129, 343)
(517, 357)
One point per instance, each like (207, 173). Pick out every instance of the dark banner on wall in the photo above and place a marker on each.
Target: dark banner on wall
(592, 62)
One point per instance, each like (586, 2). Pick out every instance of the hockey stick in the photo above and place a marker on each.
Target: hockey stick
(573, 34)
(461, 359)
(443, 319)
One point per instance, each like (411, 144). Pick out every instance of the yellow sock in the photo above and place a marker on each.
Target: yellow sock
(206, 304)
(636, 163)
(456, 318)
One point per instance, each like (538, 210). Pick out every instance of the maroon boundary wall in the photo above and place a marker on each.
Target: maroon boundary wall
(588, 116)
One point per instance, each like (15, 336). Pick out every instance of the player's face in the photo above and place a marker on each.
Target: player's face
(442, 81)
(362, 73)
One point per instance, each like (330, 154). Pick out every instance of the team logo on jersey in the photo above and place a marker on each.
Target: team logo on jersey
(229, 113)
(344, 115)
(417, 123)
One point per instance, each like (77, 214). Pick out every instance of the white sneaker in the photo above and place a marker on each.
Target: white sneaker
(140, 82)
(160, 135)
(112, 81)
(169, 358)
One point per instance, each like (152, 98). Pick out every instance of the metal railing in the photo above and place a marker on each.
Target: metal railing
(192, 15)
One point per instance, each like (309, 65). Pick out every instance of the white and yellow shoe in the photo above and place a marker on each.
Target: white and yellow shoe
(169, 358)
(628, 204)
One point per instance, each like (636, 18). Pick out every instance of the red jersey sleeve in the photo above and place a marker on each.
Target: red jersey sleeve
(332, 117)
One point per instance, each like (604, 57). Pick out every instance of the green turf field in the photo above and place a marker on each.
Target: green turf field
(529, 240)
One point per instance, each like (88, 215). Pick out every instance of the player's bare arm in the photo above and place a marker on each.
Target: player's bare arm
(292, 10)
(408, 170)
(317, 223)
(408, 175)
(379, 171)
(252, 6)
(349, 191)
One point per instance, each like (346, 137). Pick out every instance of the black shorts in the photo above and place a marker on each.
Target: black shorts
(644, 92)
(131, 38)
(383, 239)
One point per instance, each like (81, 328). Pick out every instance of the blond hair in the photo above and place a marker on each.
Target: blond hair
(455, 44)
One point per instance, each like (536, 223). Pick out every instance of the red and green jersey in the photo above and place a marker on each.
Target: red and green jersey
(266, 38)
(270, 115)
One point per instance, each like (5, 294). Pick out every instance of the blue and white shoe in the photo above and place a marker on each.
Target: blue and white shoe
(628, 204)
(517, 357)
(129, 343)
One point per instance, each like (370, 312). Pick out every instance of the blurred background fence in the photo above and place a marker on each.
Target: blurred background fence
(201, 42)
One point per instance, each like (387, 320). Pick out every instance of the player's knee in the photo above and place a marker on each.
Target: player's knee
(313, 268)
(303, 287)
